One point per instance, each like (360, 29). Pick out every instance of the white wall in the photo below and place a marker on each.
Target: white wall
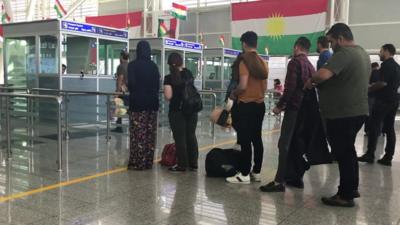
(118, 6)
(212, 24)
(373, 11)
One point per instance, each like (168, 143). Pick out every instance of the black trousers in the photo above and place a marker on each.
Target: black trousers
(382, 113)
(250, 118)
(234, 117)
(342, 134)
(184, 131)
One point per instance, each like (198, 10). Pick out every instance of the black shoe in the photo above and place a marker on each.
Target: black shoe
(272, 187)
(132, 167)
(356, 194)
(333, 158)
(117, 130)
(366, 158)
(193, 168)
(337, 201)
(295, 183)
(385, 161)
(177, 169)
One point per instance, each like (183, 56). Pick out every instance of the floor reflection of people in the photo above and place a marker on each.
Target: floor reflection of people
(377, 184)
(185, 198)
(118, 150)
(246, 201)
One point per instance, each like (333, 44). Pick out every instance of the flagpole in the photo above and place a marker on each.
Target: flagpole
(178, 22)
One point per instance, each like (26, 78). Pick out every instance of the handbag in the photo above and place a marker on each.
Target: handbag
(168, 156)
(223, 119)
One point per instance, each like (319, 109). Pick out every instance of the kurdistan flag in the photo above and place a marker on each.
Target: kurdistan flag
(61, 12)
(179, 11)
(279, 23)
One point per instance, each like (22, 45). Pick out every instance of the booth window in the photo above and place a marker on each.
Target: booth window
(79, 54)
(20, 61)
(48, 55)
(192, 62)
(109, 52)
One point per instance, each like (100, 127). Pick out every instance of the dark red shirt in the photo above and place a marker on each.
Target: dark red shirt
(299, 70)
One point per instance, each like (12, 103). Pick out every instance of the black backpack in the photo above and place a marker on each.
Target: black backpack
(222, 162)
(191, 99)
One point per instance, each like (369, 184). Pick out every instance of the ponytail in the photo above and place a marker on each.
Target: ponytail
(175, 61)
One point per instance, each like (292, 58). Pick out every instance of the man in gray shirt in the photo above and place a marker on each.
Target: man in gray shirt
(343, 86)
(122, 84)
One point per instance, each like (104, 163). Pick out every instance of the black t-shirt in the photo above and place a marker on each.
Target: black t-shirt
(177, 89)
(373, 79)
(389, 73)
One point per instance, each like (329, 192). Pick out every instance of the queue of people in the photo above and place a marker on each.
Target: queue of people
(324, 106)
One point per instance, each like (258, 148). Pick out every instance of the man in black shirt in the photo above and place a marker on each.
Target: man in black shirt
(371, 94)
(385, 107)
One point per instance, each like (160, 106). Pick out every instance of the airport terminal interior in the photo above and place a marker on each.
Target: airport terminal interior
(64, 155)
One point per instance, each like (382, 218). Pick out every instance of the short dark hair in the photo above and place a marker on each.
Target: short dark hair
(341, 29)
(390, 48)
(278, 82)
(303, 42)
(124, 55)
(374, 65)
(323, 41)
(64, 66)
(250, 38)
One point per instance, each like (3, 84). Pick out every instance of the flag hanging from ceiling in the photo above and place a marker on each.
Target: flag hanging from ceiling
(162, 28)
(279, 23)
(61, 12)
(221, 41)
(179, 11)
(5, 18)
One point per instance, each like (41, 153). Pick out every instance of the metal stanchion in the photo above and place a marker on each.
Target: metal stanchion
(59, 130)
(214, 106)
(108, 137)
(66, 100)
(8, 129)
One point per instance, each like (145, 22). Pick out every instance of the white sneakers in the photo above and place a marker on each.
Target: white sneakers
(239, 179)
(256, 177)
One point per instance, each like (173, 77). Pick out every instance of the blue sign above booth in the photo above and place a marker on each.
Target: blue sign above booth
(182, 44)
(91, 29)
(231, 52)
(236, 53)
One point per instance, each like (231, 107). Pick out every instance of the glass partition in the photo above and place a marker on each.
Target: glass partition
(193, 63)
(21, 61)
(48, 55)
(109, 52)
(79, 54)
(227, 71)
(212, 73)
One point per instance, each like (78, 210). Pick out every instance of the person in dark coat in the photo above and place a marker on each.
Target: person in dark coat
(308, 146)
(144, 86)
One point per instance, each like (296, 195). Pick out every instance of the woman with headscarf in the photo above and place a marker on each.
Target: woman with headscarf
(143, 85)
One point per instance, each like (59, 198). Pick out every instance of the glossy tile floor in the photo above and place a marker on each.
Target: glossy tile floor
(159, 197)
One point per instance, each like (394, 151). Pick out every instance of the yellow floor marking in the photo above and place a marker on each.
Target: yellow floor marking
(58, 185)
(109, 172)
